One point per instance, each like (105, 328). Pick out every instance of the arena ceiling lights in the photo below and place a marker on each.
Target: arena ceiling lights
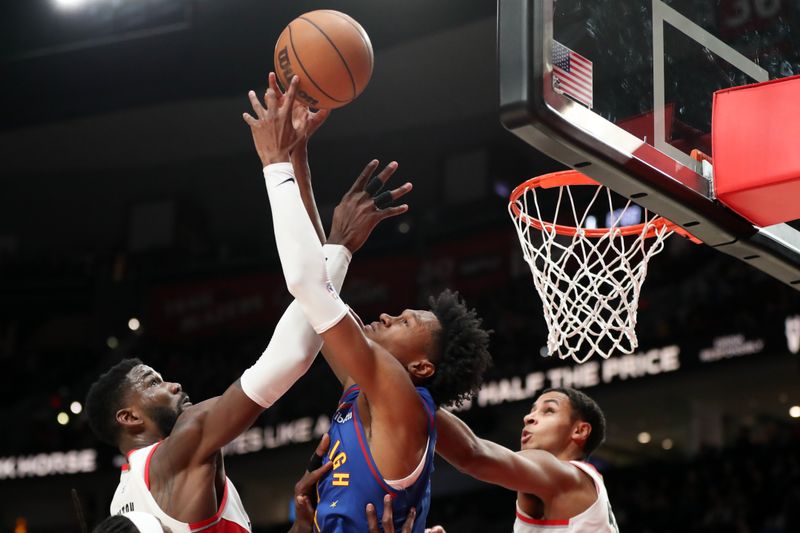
(72, 5)
(76, 5)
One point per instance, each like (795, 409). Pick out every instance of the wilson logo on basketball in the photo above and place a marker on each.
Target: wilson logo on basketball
(331, 55)
(285, 64)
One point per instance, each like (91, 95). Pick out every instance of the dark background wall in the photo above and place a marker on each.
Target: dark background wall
(128, 182)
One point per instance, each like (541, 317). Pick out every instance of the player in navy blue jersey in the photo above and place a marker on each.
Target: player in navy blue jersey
(395, 371)
(305, 491)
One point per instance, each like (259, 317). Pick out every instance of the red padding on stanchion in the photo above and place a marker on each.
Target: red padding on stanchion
(755, 139)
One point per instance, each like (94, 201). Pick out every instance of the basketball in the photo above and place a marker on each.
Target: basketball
(330, 53)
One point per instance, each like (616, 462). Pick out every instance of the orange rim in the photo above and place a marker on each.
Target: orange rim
(573, 177)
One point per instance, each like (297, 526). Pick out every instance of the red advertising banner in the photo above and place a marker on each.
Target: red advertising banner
(471, 266)
(389, 284)
(217, 306)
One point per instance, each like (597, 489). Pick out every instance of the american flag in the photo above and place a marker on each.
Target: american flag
(572, 74)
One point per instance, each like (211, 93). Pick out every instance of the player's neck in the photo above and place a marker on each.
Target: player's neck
(570, 453)
(130, 444)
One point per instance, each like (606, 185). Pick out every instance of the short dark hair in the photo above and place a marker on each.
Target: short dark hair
(116, 524)
(461, 351)
(586, 409)
(105, 398)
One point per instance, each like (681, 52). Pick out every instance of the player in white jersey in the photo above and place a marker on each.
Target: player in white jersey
(175, 469)
(557, 491)
(133, 493)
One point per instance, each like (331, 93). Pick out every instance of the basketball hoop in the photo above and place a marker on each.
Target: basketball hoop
(589, 278)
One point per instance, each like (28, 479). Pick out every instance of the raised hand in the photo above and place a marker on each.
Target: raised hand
(313, 120)
(387, 521)
(358, 212)
(276, 130)
(299, 111)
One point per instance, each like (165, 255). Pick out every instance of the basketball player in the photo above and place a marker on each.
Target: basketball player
(175, 469)
(556, 489)
(395, 371)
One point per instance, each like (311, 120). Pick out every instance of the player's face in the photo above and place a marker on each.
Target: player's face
(549, 424)
(160, 400)
(408, 336)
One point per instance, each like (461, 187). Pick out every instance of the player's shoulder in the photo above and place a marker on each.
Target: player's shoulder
(564, 471)
(540, 456)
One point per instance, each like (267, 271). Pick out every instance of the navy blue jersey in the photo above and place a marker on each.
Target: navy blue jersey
(355, 481)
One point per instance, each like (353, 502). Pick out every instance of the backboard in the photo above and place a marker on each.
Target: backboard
(622, 90)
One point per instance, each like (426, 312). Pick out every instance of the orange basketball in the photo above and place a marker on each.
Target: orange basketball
(330, 53)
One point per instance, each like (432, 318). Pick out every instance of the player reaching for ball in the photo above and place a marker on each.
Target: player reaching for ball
(395, 371)
(556, 489)
(175, 469)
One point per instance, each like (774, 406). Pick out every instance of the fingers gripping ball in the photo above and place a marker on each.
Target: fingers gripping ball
(330, 53)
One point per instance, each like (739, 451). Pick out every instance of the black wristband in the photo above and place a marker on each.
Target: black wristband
(314, 463)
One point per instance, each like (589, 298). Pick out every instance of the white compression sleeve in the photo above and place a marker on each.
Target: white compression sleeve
(301, 255)
(294, 343)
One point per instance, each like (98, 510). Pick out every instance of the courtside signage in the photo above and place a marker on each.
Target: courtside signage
(48, 464)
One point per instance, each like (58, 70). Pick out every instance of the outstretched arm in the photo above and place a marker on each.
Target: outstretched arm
(295, 344)
(529, 471)
(290, 352)
(357, 205)
(376, 371)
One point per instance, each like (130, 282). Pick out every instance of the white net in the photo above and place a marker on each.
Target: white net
(589, 281)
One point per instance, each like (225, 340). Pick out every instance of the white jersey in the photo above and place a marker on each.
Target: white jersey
(133, 494)
(598, 518)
